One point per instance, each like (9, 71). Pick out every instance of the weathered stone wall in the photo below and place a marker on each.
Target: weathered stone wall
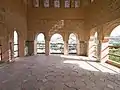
(101, 11)
(12, 17)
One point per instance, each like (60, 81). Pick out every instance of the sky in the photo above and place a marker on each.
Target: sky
(116, 31)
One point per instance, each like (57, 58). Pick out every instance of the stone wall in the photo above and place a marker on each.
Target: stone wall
(101, 11)
(12, 17)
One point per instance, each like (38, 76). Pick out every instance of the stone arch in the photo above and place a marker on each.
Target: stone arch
(108, 28)
(36, 34)
(114, 44)
(115, 35)
(35, 41)
(75, 33)
(56, 33)
(92, 33)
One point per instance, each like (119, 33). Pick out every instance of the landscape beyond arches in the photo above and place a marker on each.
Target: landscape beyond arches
(16, 44)
(72, 43)
(56, 44)
(40, 43)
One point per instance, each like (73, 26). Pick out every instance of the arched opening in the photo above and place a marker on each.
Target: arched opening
(56, 44)
(16, 44)
(41, 44)
(114, 45)
(72, 44)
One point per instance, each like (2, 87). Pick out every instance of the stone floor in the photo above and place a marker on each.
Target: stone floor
(58, 72)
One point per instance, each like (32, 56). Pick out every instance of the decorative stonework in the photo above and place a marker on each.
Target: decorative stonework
(2, 11)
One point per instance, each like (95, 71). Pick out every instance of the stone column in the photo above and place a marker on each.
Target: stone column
(35, 47)
(90, 48)
(21, 47)
(5, 49)
(65, 47)
(83, 48)
(62, 3)
(10, 51)
(65, 38)
(98, 53)
(104, 49)
(99, 42)
(78, 47)
(47, 47)
(47, 43)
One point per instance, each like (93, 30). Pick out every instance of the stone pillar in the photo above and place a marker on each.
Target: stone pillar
(10, 51)
(47, 44)
(90, 48)
(65, 47)
(62, 3)
(5, 49)
(81, 48)
(78, 47)
(21, 47)
(35, 47)
(47, 47)
(98, 50)
(104, 50)
(30, 48)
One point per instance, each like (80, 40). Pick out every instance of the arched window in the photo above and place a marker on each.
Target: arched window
(67, 3)
(56, 44)
(40, 44)
(46, 3)
(77, 3)
(72, 44)
(92, 1)
(16, 44)
(57, 3)
(36, 3)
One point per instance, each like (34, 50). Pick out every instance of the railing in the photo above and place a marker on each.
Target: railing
(40, 48)
(16, 50)
(72, 48)
(114, 53)
(56, 48)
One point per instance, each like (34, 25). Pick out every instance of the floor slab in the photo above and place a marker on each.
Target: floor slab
(58, 72)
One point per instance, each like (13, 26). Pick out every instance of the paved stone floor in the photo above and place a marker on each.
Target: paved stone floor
(57, 72)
